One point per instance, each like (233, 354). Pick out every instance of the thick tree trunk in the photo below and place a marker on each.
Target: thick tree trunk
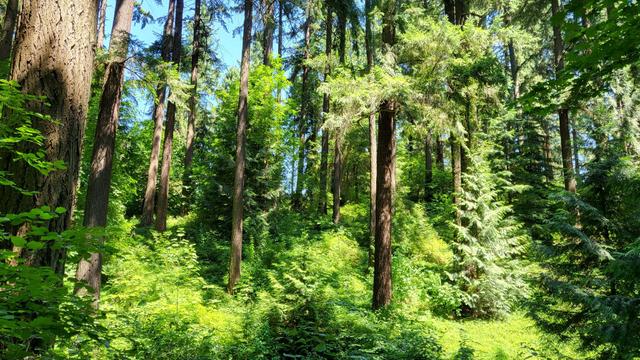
(326, 103)
(53, 58)
(167, 151)
(98, 188)
(428, 167)
(269, 27)
(8, 30)
(563, 113)
(102, 21)
(193, 108)
(304, 104)
(238, 183)
(385, 180)
(158, 117)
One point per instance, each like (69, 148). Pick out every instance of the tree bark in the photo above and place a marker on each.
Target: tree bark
(337, 176)
(269, 27)
(280, 27)
(8, 30)
(193, 107)
(302, 128)
(53, 58)
(326, 103)
(148, 206)
(238, 183)
(385, 180)
(373, 145)
(98, 188)
(563, 113)
(428, 167)
(102, 21)
(456, 168)
(167, 151)
(439, 153)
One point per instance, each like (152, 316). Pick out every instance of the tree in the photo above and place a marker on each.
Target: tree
(241, 138)
(102, 21)
(98, 189)
(8, 30)
(563, 113)
(269, 27)
(148, 206)
(193, 102)
(385, 179)
(372, 132)
(59, 69)
(326, 105)
(167, 151)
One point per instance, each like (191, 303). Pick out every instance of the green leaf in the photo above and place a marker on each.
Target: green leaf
(35, 245)
(18, 241)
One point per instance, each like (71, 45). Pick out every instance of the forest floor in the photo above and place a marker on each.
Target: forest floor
(308, 292)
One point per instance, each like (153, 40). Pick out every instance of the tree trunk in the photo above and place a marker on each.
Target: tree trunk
(385, 180)
(8, 30)
(337, 158)
(456, 168)
(439, 153)
(158, 116)
(98, 188)
(563, 113)
(373, 145)
(428, 167)
(53, 58)
(574, 141)
(267, 35)
(238, 183)
(302, 128)
(193, 108)
(167, 151)
(280, 27)
(337, 176)
(326, 103)
(102, 21)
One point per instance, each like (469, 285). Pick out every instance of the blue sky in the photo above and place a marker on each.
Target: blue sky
(229, 46)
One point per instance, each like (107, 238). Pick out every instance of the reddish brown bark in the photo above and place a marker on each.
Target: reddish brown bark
(241, 138)
(385, 180)
(99, 185)
(373, 145)
(167, 151)
(148, 206)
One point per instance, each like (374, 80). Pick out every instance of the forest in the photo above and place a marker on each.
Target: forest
(320, 179)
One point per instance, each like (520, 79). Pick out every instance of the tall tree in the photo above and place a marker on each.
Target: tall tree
(53, 58)
(385, 181)
(563, 112)
(102, 22)
(373, 146)
(267, 33)
(167, 151)
(8, 30)
(193, 103)
(98, 188)
(326, 104)
(241, 139)
(304, 107)
(148, 206)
